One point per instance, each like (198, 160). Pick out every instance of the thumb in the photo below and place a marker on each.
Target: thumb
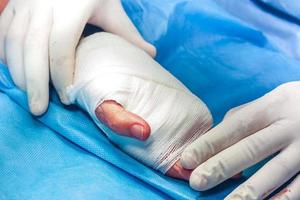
(122, 121)
(111, 17)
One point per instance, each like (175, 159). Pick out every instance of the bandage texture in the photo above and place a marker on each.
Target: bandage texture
(110, 68)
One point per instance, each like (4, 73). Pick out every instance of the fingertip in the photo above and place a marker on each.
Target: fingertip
(198, 182)
(151, 50)
(140, 131)
(63, 97)
(188, 160)
(147, 131)
(38, 101)
(37, 108)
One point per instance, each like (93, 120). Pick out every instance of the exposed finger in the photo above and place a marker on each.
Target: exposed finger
(273, 175)
(291, 192)
(6, 18)
(14, 47)
(238, 157)
(3, 4)
(113, 18)
(122, 121)
(36, 60)
(231, 130)
(177, 171)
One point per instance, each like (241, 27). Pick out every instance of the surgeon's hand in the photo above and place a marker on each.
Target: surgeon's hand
(247, 135)
(39, 37)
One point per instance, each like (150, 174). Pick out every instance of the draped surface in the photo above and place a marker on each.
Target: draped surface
(62, 155)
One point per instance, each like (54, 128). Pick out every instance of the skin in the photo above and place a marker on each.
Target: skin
(3, 3)
(122, 122)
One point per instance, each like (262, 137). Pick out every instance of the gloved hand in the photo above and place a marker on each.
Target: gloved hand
(38, 36)
(127, 93)
(247, 135)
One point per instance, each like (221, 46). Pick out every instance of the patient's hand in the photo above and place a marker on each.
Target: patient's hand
(124, 123)
(127, 93)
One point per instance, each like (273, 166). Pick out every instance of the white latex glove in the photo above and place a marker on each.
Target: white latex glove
(38, 36)
(247, 135)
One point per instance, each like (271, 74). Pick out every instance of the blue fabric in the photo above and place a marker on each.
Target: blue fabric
(281, 30)
(63, 155)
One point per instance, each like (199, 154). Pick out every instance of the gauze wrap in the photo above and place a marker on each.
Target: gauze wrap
(110, 68)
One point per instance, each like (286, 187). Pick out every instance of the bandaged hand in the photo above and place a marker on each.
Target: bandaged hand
(38, 37)
(140, 106)
(247, 135)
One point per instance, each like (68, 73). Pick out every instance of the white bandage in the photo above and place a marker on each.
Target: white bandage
(110, 68)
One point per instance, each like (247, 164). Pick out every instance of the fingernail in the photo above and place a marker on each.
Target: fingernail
(137, 131)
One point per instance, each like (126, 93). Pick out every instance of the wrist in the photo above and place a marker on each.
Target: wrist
(3, 4)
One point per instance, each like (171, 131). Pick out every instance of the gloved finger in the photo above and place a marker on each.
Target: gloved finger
(36, 60)
(177, 171)
(239, 125)
(291, 192)
(236, 109)
(238, 157)
(64, 38)
(281, 168)
(228, 114)
(14, 47)
(114, 19)
(6, 18)
(122, 121)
